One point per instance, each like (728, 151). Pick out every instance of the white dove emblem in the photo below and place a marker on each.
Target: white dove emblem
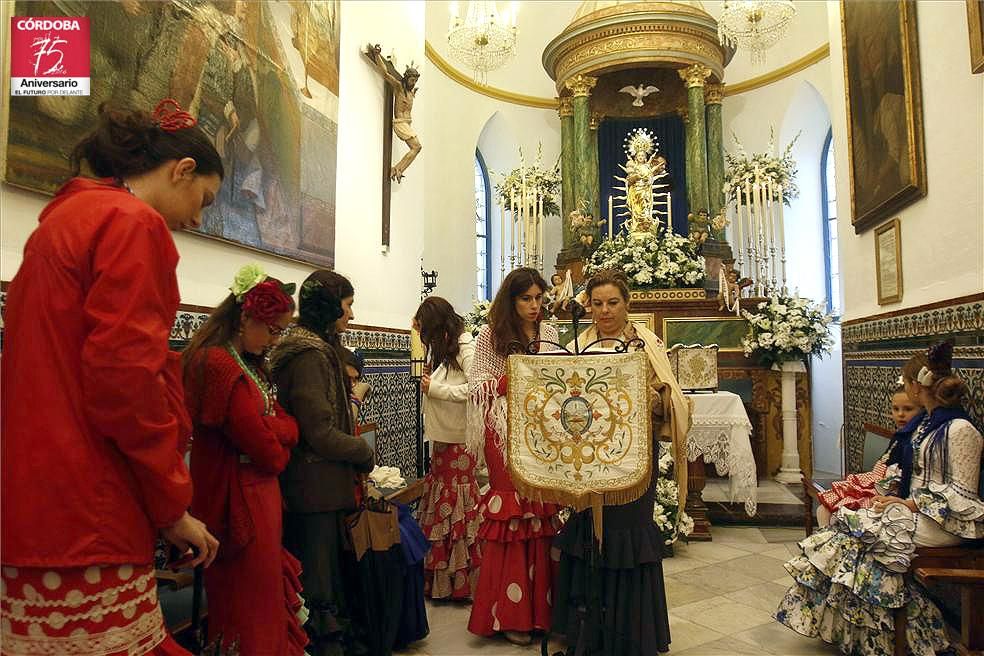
(638, 93)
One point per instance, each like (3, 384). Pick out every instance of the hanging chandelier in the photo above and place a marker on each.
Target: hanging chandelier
(755, 25)
(485, 39)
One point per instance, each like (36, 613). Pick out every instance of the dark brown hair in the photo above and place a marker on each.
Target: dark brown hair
(130, 142)
(609, 277)
(440, 330)
(321, 302)
(947, 389)
(219, 329)
(505, 324)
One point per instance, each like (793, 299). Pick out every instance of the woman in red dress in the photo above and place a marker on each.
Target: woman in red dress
(93, 421)
(242, 442)
(516, 575)
(449, 507)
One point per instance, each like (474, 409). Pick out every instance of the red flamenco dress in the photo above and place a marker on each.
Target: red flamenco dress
(517, 569)
(242, 442)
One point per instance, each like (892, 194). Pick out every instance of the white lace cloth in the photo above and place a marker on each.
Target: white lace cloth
(721, 433)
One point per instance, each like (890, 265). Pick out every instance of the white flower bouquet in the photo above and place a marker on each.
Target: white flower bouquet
(477, 317)
(664, 262)
(786, 328)
(779, 169)
(670, 518)
(539, 181)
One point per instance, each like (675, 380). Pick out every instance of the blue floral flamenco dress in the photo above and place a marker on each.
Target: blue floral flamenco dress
(853, 574)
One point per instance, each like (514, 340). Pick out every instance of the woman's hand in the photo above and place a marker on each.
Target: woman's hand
(192, 539)
(879, 503)
(425, 383)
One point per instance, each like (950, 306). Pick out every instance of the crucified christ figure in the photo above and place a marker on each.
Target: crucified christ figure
(404, 90)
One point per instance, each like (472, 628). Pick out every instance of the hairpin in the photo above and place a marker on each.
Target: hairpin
(169, 116)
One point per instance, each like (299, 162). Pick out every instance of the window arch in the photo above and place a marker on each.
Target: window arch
(828, 192)
(483, 239)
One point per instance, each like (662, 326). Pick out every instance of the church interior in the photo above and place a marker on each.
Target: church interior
(793, 193)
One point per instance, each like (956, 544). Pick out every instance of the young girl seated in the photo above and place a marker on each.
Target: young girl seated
(857, 490)
(853, 575)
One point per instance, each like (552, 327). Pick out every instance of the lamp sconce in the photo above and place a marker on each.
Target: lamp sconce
(430, 282)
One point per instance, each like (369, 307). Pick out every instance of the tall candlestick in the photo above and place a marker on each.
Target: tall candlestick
(502, 234)
(782, 237)
(539, 224)
(512, 230)
(736, 222)
(611, 221)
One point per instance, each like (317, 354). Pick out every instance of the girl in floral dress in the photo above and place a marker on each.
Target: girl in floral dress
(853, 575)
(858, 490)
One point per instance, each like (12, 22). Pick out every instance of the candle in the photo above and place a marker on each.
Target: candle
(502, 233)
(737, 229)
(611, 205)
(512, 228)
(539, 224)
(782, 229)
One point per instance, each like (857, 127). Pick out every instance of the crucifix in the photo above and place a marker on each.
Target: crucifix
(400, 92)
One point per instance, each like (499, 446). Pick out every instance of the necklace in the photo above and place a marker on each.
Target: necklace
(267, 391)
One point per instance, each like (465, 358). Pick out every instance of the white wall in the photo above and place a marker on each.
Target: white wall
(459, 120)
(387, 285)
(943, 233)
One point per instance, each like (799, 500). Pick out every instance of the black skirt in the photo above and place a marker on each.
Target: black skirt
(621, 588)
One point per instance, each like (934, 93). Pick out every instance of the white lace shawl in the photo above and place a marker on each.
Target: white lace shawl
(485, 404)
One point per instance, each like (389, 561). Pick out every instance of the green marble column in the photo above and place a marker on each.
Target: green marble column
(713, 95)
(568, 171)
(580, 87)
(593, 183)
(697, 197)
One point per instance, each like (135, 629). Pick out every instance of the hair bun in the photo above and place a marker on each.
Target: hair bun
(940, 356)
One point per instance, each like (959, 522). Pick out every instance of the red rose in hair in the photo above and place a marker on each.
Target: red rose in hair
(266, 301)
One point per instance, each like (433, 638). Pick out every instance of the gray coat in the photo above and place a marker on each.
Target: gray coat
(320, 476)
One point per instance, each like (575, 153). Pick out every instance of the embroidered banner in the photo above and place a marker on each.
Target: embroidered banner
(579, 428)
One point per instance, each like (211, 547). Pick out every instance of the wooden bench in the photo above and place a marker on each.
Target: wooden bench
(961, 565)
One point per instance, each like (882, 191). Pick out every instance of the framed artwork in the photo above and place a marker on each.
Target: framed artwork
(975, 26)
(884, 109)
(888, 262)
(726, 332)
(263, 80)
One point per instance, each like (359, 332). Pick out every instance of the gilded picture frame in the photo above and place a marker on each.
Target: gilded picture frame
(885, 137)
(888, 262)
(975, 29)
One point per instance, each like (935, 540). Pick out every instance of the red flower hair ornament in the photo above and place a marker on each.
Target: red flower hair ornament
(267, 301)
(169, 116)
(262, 298)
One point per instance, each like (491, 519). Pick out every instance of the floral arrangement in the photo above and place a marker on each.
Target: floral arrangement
(665, 262)
(477, 317)
(672, 520)
(779, 169)
(786, 328)
(539, 181)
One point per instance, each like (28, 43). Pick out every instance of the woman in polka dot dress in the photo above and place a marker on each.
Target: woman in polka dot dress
(449, 508)
(515, 583)
(94, 427)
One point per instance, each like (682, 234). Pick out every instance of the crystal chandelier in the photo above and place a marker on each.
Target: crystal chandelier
(485, 39)
(755, 25)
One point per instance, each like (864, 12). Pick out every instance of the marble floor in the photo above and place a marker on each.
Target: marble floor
(721, 596)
